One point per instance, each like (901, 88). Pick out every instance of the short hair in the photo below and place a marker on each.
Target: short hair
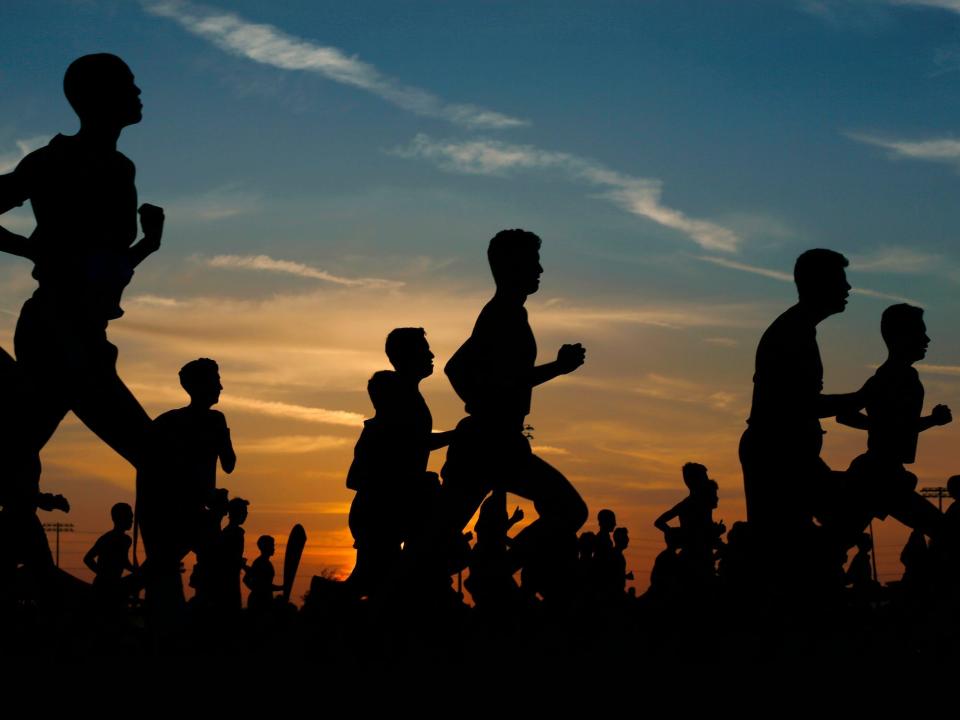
(607, 515)
(694, 473)
(196, 372)
(237, 504)
(896, 317)
(507, 244)
(953, 486)
(264, 541)
(400, 340)
(83, 82)
(120, 507)
(812, 265)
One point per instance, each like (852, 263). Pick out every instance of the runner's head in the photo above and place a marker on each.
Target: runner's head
(822, 281)
(904, 332)
(201, 379)
(101, 90)
(265, 545)
(514, 257)
(122, 516)
(409, 352)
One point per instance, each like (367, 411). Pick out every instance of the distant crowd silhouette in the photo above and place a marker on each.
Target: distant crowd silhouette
(783, 578)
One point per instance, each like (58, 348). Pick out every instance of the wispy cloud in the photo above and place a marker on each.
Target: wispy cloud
(867, 292)
(722, 341)
(949, 370)
(733, 265)
(269, 45)
(664, 316)
(166, 393)
(900, 260)
(942, 150)
(549, 450)
(218, 203)
(9, 160)
(788, 277)
(293, 412)
(152, 392)
(953, 5)
(304, 508)
(292, 444)
(639, 196)
(289, 267)
(153, 300)
(861, 15)
(674, 389)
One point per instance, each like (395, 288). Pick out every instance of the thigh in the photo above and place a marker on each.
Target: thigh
(109, 409)
(552, 494)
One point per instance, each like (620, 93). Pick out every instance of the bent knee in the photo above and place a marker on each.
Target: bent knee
(578, 513)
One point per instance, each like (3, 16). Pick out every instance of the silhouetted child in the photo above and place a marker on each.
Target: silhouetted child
(603, 544)
(110, 557)
(894, 402)
(586, 543)
(618, 565)
(699, 535)
(259, 577)
(491, 580)
(229, 557)
(395, 493)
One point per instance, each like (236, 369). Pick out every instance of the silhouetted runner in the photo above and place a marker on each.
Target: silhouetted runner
(177, 478)
(109, 558)
(880, 485)
(603, 542)
(494, 372)
(395, 494)
(259, 577)
(229, 559)
(84, 252)
(784, 480)
(698, 535)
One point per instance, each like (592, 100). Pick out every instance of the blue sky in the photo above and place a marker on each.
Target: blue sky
(333, 170)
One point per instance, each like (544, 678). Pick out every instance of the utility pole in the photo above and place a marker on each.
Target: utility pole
(58, 527)
(937, 492)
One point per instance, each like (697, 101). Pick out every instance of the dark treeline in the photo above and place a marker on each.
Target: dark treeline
(796, 578)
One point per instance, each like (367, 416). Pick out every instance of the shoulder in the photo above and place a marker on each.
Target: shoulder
(33, 162)
(890, 376)
(497, 315)
(169, 418)
(790, 326)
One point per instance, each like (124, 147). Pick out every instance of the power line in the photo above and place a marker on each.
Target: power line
(58, 527)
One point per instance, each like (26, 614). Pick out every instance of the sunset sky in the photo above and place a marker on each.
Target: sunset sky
(334, 170)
